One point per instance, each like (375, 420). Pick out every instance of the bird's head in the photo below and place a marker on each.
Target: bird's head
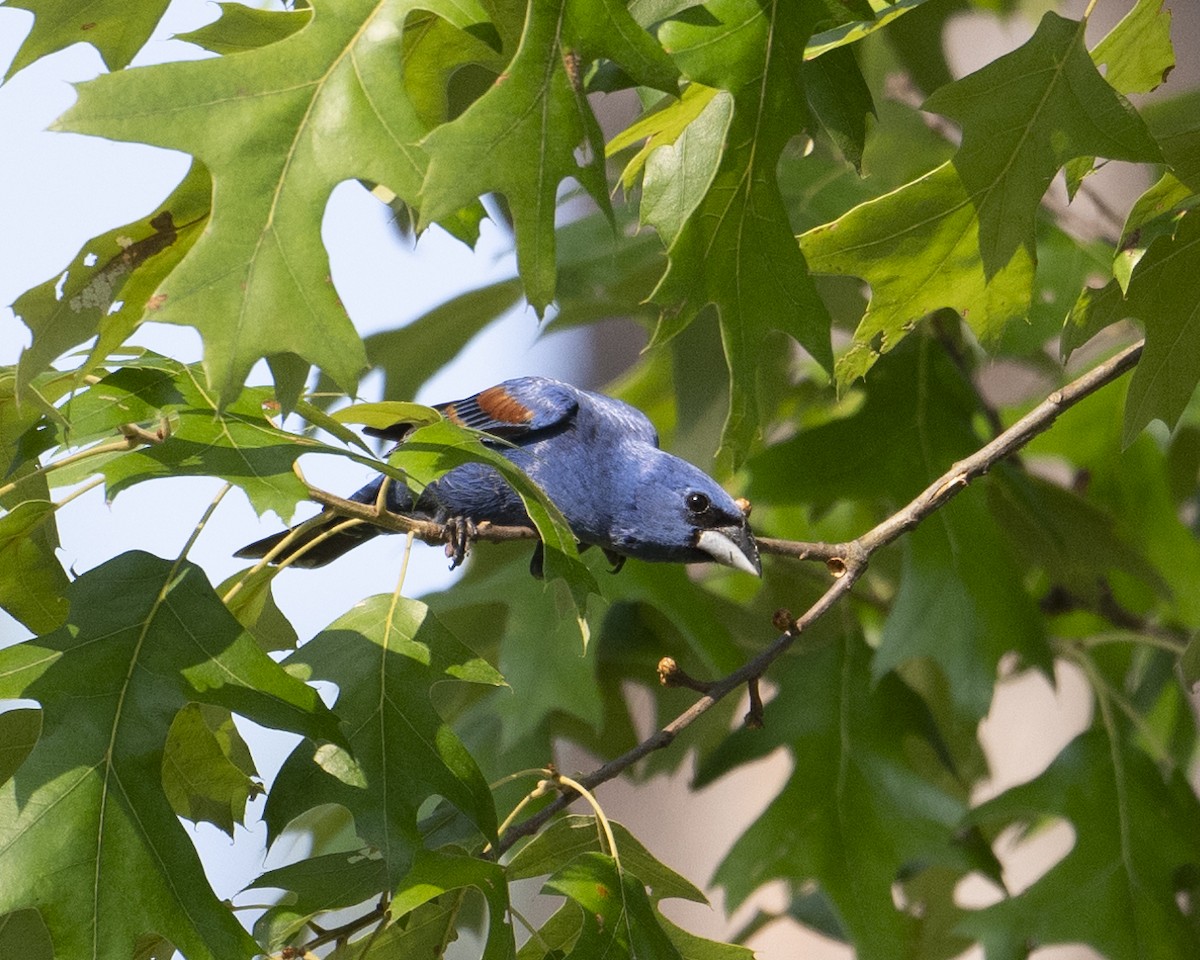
(682, 514)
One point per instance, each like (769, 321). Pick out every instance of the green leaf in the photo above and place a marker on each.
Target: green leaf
(1055, 106)
(129, 395)
(917, 42)
(571, 836)
(241, 446)
(1131, 484)
(618, 919)
(256, 283)
(692, 947)
(918, 248)
(539, 651)
(1137, 56)
(598, 29)
(412, 354)
(962, 604)
(871, 20)
(207, 771)
(680, 161)
(1164, 295)
(520, 139)
(1137, 53)
(384, 655)
(915, 421)
(32, 580)
(87, 834)
(256, 610)
(1135, 842)
(841, 100)
(122, 266)
(24, 935)
(426, 932)
(1189, 663)
(315, 886)
(447, 69)
(869, 800)
(1154, 215)
(115, 29)
(435, 873)
(555, 937)
(737, 251)
(1177, 128)
(1073, 541)
(386, 414)
(26, 431)
(241, 28)
(20, 729)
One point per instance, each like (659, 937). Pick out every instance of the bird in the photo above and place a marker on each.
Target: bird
(595, 457)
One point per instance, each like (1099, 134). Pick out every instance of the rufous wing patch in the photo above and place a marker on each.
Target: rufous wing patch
(503, 408)
(451, 414)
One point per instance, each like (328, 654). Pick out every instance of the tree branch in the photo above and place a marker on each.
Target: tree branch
(848, 562)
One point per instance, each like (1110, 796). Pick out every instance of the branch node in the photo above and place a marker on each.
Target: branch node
(744, 505)
(783, 621)
(671, 674)
(957, 482)
(837, 567)
(136, 435)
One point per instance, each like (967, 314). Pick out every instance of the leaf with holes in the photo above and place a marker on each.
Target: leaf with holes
(108, 287)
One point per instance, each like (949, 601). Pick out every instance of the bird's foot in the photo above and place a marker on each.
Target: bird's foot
(460, 533)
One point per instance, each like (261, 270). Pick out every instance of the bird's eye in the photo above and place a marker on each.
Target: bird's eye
(697, 502)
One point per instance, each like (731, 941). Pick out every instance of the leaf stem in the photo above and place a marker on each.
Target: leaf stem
(114, 446)
(1175, 647)
(598, 810)
(79, 492)
(216, 501)
(404, 564)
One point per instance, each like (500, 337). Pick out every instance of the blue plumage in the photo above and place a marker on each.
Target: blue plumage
(597, 458)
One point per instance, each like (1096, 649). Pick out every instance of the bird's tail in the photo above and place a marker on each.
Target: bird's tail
(318, 544)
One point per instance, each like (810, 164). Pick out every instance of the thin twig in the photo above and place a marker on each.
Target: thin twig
(848, 562)
(347, 929)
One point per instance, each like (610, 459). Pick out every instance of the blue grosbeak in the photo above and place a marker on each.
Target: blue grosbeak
(595, 457)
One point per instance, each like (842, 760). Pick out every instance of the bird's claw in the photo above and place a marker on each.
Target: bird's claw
(460, 532)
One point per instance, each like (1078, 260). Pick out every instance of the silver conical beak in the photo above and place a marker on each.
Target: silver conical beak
(732, 546)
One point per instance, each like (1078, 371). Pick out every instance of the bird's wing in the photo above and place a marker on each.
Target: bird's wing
(510, 410)
(515, 407)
